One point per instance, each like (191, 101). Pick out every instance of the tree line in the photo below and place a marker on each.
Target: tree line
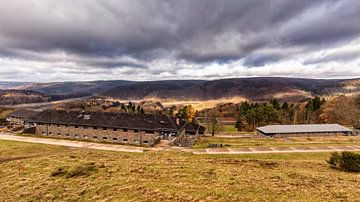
(254, 114)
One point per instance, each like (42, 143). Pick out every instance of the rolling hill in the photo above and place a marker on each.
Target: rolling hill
(258, 88)
(261, 88)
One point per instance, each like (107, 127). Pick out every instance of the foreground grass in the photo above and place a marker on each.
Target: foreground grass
(41, 174)
(268, 142)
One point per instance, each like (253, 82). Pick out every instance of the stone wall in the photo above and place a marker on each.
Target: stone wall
(99, 134)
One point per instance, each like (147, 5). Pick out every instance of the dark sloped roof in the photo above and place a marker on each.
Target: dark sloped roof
(191, 127)
(107, 119)
(23, 113)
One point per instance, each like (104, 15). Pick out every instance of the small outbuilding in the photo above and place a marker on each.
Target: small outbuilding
(303, 130)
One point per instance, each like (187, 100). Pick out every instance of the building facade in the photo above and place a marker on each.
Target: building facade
(99, 134)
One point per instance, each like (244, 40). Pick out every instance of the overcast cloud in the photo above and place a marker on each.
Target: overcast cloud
(52, 40)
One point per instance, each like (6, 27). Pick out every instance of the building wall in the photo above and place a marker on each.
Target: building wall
(98, 134)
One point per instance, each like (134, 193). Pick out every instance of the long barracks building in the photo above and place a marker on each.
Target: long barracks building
(303, 130)
(138, 129)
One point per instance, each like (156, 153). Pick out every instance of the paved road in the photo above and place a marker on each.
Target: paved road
(124, 148)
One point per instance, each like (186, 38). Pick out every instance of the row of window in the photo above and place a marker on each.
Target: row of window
(95, 137)
(104, 128)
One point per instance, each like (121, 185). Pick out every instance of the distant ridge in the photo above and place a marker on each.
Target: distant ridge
(258, 88)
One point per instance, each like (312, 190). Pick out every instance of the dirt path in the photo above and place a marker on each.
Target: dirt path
(269, 150)
(124, 148)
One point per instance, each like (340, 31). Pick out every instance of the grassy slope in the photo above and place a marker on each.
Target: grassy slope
(268, 142)
(164, 176)
(5, 112)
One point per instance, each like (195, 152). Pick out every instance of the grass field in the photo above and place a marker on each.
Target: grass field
(268, 142)
(4, 112)
(229, 129)
(35, 172)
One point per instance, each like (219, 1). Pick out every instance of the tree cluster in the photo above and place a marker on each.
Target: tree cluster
(252, 115)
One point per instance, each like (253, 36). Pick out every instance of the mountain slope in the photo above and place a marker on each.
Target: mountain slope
(260, 88)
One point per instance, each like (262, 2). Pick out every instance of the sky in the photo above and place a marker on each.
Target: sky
(73, 40)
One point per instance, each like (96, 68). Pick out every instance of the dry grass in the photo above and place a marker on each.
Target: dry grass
(166, 176)
(289, 141)
(4, 112)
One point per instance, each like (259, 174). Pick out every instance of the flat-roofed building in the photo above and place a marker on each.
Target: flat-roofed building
(303, 130)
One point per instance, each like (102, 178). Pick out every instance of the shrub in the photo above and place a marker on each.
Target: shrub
(81, 170)
(60, 171)
(75, 171)
(347, 161)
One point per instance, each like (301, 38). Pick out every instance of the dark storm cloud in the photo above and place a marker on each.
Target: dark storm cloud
(195, 31)
(260, 60)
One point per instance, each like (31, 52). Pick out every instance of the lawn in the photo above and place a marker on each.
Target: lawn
(36, 172)
(268, 142)
(229, 129)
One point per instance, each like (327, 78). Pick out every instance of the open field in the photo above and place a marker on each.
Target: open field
(278, 142)
(33, 172)
(4, 112)
(229, 129)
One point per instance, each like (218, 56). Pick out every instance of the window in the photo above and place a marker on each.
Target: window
(115, 139)
(150, 132)
(76, 126)
(136, 131)
(125, 130)
(115, 129)
(145, 142)
(66, 126)
(95, 128)
(58, 125)
(50, 133)
(104, 138)
(67, 134)
(125, 140)
(58, 134)
(104, 128)
(95, 137)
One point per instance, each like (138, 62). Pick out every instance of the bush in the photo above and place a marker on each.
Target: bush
(347, 161)
(75, 171)
(60, 171)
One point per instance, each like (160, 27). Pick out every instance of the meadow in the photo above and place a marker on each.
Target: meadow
(234, 142)
(34, 172)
